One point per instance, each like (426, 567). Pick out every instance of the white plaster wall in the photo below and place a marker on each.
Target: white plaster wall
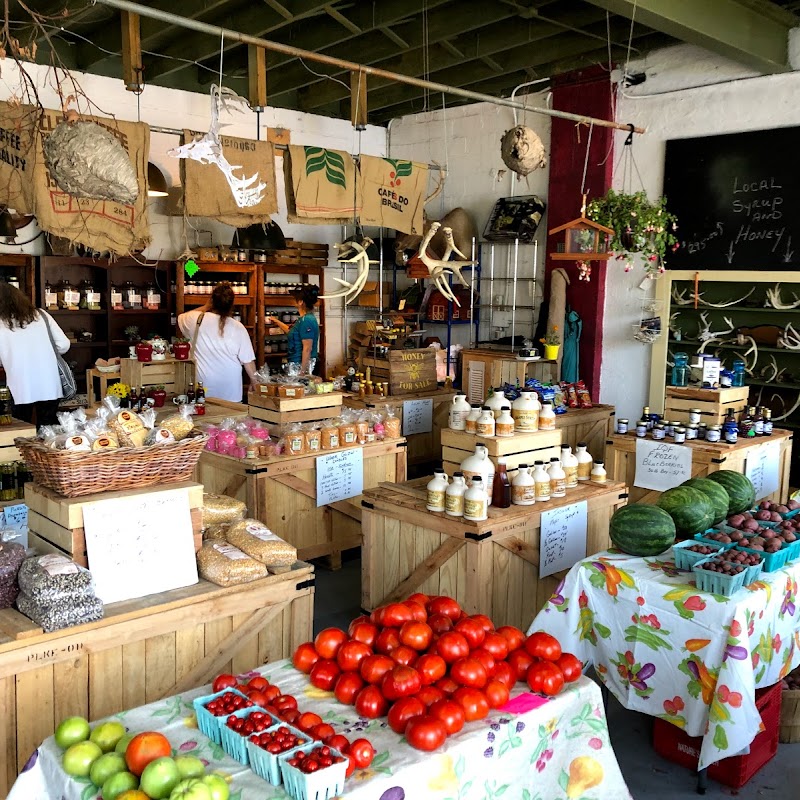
(171, 108)
(467, 140)
(678, 100)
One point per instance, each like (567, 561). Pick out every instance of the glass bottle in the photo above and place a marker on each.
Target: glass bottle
(501, 487)
(730, 423)
(746, 422)
(8, 481)
(50, 297)
(767, 421)
(680, 372)
(6, 406)
(646, 416)
(758, 422)
(133, 399)
(200, 394)
(116, 297)
(190, 395)
(738, 373)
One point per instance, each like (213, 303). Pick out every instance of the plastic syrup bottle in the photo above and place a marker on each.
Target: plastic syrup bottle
(476, 501)
(504, 425)
(541, 481)
(459, 409)
(547, 417)
(471, 422)
(486, 422)
(585, 461)
(454, 497)
(599, 472)
(569, 464)
(436, 491)
(525, 410)
(496, 401)
(558, 479)
(479, 464)
(523, 488)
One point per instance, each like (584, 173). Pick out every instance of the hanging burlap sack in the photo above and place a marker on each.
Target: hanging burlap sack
(393, 192)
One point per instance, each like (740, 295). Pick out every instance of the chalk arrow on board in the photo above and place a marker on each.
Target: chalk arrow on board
(789, 253)
(730, 254)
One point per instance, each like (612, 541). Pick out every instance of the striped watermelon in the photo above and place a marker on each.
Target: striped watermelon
(642, 530)
(689, 508)
(739, 488)
(715, 492)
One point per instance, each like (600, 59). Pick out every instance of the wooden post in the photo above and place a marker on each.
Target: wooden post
(358, 99)
(131, 52)
(256, 76)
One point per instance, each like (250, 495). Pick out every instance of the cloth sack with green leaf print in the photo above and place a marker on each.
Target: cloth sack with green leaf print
(394, 193)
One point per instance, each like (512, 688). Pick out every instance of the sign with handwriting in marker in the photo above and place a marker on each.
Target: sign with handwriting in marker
(340, 476)
(16, 516)
(763, 469)
(661, 466)
(140, 545)
(417, 416)
(562, 538)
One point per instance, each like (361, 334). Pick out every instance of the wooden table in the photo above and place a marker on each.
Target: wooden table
(483, 369)
(591, 425)
(490, 567)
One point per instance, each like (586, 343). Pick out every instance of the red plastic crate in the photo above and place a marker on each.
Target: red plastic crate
(672, 743)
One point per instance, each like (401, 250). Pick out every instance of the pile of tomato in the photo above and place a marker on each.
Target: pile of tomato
(318, 758)
(430, 667)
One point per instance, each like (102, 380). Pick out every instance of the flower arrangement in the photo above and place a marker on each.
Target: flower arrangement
(640, 227)
(120, 390)
(552, 337)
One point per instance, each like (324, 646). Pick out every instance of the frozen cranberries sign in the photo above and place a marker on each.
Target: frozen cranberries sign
(734, 200)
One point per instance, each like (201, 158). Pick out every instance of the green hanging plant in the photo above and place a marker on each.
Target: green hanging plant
(640, 227)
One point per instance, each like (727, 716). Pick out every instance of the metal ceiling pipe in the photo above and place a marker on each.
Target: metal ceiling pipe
(352, 66)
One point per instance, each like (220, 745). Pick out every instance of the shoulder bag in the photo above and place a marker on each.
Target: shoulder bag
(68, 385)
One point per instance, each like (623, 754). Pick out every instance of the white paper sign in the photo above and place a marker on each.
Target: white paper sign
(562, 540)
(417, 416)
(340, 476)
(762, 467)
(140, 545)
(15, 516)
(661, 466)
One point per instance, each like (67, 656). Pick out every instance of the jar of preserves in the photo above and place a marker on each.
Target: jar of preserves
(6, 406)
(68, 297)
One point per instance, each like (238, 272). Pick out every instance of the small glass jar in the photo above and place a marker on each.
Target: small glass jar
(6, 406)
(738, 373)
(659, 432)
(702, 428)
(713, 433)
(669, 428)
(680, 372)
(241, 255)
(731, 435)
(8, 481)
(622, 426)
(695, 415)
(680, 435)
(641, 428)
(691, 431)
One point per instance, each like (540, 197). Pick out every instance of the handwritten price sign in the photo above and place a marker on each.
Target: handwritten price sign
(763, 467)
(661, 466)
(340, 476)
(417, 416)
(562, 538)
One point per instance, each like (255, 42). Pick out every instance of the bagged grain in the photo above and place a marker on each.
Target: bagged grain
(220, 509)
(52, 578)
(225, 565)
(258, 541)
(60, 614)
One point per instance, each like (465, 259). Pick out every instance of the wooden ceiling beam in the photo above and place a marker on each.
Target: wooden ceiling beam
(131, 52)
(343, 21)
(257, 77)
(393, 37)
(358, 99)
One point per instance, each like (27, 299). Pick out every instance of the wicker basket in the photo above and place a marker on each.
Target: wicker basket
(75, 474)
(790, 717)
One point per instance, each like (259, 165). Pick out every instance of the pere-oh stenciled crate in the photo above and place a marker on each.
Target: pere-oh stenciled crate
(713, 404)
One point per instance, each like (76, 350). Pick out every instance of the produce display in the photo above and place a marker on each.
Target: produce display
(226, 565)
(642, 530)
(724, 565)
(316, 759)
(715, 492)
(739, 488)
(690, 509)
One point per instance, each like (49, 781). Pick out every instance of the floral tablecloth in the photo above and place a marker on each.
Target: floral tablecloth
(541, 749)
(667, 649)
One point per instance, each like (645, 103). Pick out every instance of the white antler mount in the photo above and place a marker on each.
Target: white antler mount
(775, 300)
(707, 333)
(361, 257)
(790, 338)
(437, 267)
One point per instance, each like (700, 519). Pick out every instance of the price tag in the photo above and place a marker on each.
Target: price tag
(763, 468)
(16, 516)
(340, 476)
(661, 466)
(417, 416)
(562, 538)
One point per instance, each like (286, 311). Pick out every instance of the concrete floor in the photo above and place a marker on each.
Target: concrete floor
(647, 774)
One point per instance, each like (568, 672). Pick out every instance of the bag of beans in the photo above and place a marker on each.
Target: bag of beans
(226, 565)
(61, 614)
(219, 508)
(52, 578)
(258, 541)
(11, 557)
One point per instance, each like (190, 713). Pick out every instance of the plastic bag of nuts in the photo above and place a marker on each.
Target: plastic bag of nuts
(226, 565)
(259, 542)
(219, 508)
(61, 614)
(51, 578)
(11, 557)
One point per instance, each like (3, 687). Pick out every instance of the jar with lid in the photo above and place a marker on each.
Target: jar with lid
(476, 501)
(504, 425)
(13, 280)
(731, 435)
(622, 425)
(436, 490)
(547, 417)
(90, 299)
(8, 481)
(486, 423)
(6, 406)
(68, 297)
(50, 297)
(669, 428)
(116, 297)
(496, 401)
(738, 373)
(701, 430)
(584, 461)
(558, 478)
(454, 496)
(131, 297)
(680, 372)
(541, 482)
(459, 409)
(471, 422)
(659, 432)
(525, 410)
(680, 434)
(713, 433)
(691, 431)
(523, 487)
(641, 428)
(599, 472)
(152, 297)
(695, 415)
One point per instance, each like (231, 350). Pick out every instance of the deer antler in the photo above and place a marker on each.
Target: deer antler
(680, 297)
(785, 413)
(764, 373)
(774, 298)
(728, 303)
(352, 290)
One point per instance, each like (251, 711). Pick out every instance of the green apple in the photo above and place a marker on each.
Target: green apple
(104, 767)
(160, 777)
(107, 734)
(191, 789)
(71, 731)
(122, 744)
(119, 783)
(190, 766)
(78, 759)
(218, 786)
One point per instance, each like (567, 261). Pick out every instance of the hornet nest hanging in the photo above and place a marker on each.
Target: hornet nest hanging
(522, 150)
(86, 160)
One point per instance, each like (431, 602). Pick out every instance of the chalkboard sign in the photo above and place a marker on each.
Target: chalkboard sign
(734, 197)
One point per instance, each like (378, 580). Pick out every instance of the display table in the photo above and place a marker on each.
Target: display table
(490, 567)
(667, 649)
(143, 650)
(559, 747)
(706, 457)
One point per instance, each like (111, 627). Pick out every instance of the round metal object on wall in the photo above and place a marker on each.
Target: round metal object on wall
(86, 160)
(522, 150)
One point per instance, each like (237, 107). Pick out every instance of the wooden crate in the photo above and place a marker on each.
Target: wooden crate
(714, 404)
(522, 448)
(281, 492)
(490, 567)
(405, 370)
(55, 523)
(17, 428)
(790, 717)
(422, 447)
(278, 411)
(485, 369)
(175, 376)
(142, 651)
(707, 457)
(590, 425)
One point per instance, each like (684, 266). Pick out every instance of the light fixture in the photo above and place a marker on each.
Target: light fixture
(156, 182)
(8, 231)
(258, 236)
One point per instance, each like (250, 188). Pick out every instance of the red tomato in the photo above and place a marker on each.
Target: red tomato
(404, 655)
(364, 632)
(449, 712)
(284, 702)
(402, 711)
(543, 645)
(473, 701)
(440, 623)
(305, 657)
(451, 646)
(257, 698)
(514, 636)
(520, 661)
(290, 715)
(258, 683)
(362, 752)
(570, 666)
(545, 677)
(371, 703)
(324, 674)
(431, 668)
(351, 767)
(328, 642)
(505, 673)
(356, 621)
(472, 631)
(308, 720)
(401, 682)
(416, 634)
(376, 617)
(395, 614)
(387, 640)
(322, 731)
(418, 597)
(338, 742)
(351, 654)
(487, 624)
(347, 686)
(418, 612)
(444, 605)
(447, 685)
(373, 668)
(469, 672)
(496, 645)
(486, 658)
(223, 681)
(144, 748)
(426, 733)
(429, 695)
(497, 693)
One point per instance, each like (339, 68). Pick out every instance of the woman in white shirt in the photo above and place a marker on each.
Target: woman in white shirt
(27, 356)
(222, 346)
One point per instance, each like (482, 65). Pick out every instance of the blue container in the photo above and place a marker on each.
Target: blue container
(751, 573)
(321, 785)
(772, 561)
(716, 582)
(267, 765)
(685, 559)
(206, 721)
(233, 743)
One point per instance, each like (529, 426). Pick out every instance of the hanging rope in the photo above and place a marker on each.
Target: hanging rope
(586, 160)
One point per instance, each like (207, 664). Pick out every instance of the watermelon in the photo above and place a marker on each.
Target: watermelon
(689, 508)
(642, 530)
(715, 492)
(739, 488)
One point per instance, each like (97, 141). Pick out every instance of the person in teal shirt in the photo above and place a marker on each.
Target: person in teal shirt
(304, 334)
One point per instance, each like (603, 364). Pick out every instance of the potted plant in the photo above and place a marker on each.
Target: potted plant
(640, 227)
(132, 333)
(180, 348)
(551, 342)
(159, 395)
